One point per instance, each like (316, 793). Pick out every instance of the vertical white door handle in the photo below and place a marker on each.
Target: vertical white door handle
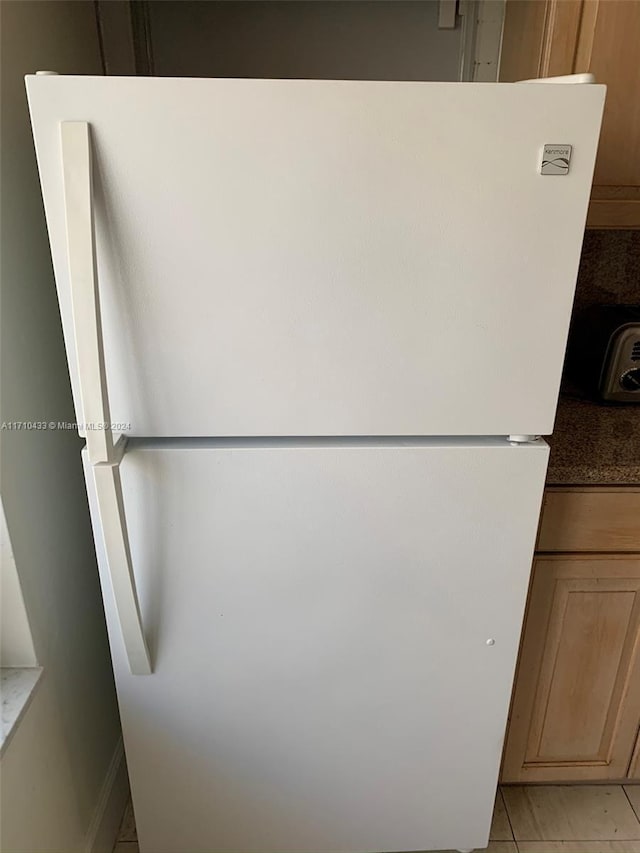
(83, 284)
(113, 521)
(104, 456)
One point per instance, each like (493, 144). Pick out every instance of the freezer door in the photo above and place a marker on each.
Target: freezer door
(313, 257)
(333, 632)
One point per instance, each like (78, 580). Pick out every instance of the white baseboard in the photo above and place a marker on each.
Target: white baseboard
(103, 830)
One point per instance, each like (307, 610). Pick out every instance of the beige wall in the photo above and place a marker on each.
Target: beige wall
(59, 759)
(380, 39)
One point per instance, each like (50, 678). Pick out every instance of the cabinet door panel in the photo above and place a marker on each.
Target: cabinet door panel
(577, 699)
(545, 38)
(634, 766)
(608, 47)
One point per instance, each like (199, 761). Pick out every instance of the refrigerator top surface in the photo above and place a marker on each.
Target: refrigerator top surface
(294, 257)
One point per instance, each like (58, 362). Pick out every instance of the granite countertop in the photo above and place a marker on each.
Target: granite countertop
(593, 444)
(16, 689)
(596, 444)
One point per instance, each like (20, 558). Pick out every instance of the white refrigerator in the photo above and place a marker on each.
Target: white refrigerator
(315, 330)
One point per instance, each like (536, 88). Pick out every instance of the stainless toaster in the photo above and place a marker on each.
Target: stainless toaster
(620, 375)
(605, 355)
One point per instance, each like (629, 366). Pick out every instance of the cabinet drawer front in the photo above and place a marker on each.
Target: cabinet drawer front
(590, 519)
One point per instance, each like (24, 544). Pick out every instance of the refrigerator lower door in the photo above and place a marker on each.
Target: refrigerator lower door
(333, 630)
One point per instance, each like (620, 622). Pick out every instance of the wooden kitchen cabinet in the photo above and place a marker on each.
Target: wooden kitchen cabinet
(545, 38)
(575, 713)
(576, 703)
(634, 766)
(584, 518)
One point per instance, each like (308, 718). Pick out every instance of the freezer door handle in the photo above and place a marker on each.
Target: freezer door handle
(77, 182)
(108, 486)
(104, 456)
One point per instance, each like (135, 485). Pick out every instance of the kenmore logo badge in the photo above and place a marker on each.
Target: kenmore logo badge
(555, 160)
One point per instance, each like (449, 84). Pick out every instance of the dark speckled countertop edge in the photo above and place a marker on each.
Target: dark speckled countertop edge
(594, 444)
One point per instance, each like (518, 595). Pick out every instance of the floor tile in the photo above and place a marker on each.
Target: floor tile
(128, 826)
(500, 826)
(579, 846)
(494, 847)
(633, 792)
(570, 813)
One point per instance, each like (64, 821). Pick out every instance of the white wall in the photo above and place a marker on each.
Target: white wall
(378, 39)
(55, 767)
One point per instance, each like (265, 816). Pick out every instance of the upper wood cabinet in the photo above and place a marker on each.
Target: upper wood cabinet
(545, 38)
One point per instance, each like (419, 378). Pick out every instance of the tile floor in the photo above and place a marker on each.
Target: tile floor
(536, 819)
